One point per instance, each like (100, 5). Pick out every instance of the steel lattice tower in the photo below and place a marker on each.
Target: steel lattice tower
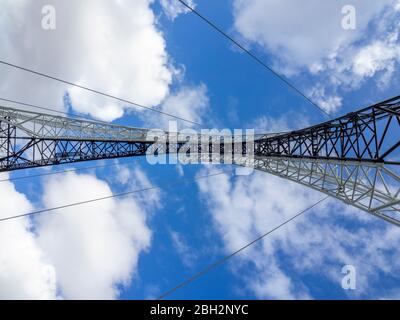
(353, 158)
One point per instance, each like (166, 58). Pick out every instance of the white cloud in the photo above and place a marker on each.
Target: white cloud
(378, 56)
(84, 252)
(179, 169)
(134, 178)
(329, 103)
(308, 36)
(173, 8)
(114, 47)
(266, 124)
(188, 102)
(318, 243)
(288, 122)
(271, 282)
(94, 247)
(186, 254)
(242, 211)
(301, 33)
(25, 273)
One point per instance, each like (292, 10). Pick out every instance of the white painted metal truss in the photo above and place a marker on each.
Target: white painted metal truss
(30, 139)
(374, 188)
(46, 126)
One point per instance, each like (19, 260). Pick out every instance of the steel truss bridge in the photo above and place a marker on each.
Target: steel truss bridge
(353, 158)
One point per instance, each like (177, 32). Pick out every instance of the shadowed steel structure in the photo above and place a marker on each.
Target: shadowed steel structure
(371, 135)
(353, 158)
(374, 188)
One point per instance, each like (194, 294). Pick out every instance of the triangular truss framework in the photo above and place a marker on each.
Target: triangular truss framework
(374, 188)
(353, 158)
(371, 135)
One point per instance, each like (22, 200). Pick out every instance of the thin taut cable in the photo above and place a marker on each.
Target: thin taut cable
(41, 74)
(69, 114)
(226, 258)
(252, 55)
(116, 195)
(115, 164)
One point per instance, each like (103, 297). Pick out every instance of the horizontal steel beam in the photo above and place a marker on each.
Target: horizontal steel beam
(345, 158)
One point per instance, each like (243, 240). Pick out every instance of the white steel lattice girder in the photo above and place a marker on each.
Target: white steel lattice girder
(46, 126)
(30, 139)
(370, 187)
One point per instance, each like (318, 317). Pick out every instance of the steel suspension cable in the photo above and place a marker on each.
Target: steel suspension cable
(252, 55)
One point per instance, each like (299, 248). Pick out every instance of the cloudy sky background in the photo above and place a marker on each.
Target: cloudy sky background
(158, 55)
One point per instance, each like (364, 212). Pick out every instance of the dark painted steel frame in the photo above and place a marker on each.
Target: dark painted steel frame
(357, 136)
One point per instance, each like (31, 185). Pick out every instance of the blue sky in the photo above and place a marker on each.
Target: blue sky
(176, 231)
